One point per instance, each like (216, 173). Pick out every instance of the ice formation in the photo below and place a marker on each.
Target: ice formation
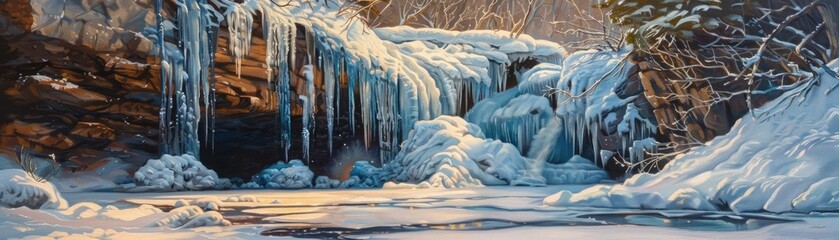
(17, 189)
(449, 152)
(516, 121)
(185, 72)
(789, 168)
(402, 78)
(177, 173)
(577, 170)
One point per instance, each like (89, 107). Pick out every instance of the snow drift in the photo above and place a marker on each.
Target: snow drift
(449, 152)
(177, 173)
(783, 160)
(17, 189)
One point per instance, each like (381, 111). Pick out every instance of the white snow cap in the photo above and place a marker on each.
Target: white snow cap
(17, 189)
(781, 161)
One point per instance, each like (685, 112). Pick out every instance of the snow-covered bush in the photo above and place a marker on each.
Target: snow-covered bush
(449, 152)
(18, 189)
(291, 175)
(177, 173)
(788, 168)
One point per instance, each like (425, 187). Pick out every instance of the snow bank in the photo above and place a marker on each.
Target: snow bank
(89, 210)
(449, 152)
(17, 189)
(782, 161)
(191, 217)
(291, 175)
(177, 173)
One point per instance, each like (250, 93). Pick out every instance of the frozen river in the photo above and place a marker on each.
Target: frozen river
(475, 213)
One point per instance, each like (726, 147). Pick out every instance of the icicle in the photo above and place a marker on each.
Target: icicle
(329, 82)
(277, 37)
(239, 25)
(352, 76)
(308, 109)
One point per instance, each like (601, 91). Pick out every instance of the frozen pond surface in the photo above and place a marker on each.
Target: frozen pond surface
(475, 213)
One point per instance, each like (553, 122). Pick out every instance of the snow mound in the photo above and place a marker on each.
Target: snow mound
(17, 189)
(89, 210)
(177, 173)
(781, 161)
(291, 175)
(577, 170)
(191, 217)
(448, 152)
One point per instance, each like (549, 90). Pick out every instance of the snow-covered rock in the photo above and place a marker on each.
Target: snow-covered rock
(781, 160)
(17, 189)
(449, 152)
(291, 175)
(177, 173)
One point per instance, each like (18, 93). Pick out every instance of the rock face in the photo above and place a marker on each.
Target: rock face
(80, 80)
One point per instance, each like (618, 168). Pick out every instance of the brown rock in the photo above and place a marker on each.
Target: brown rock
(93, 130)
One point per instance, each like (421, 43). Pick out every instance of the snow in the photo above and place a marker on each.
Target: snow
(18, 189)
(453, 213)
(788, 169)
(489, 42)
(191, 217)
(177, 173)
(540, 79)
(449, 152)
(577, 170)
(291, 175)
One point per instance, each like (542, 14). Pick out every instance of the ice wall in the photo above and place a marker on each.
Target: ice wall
(398, 81)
